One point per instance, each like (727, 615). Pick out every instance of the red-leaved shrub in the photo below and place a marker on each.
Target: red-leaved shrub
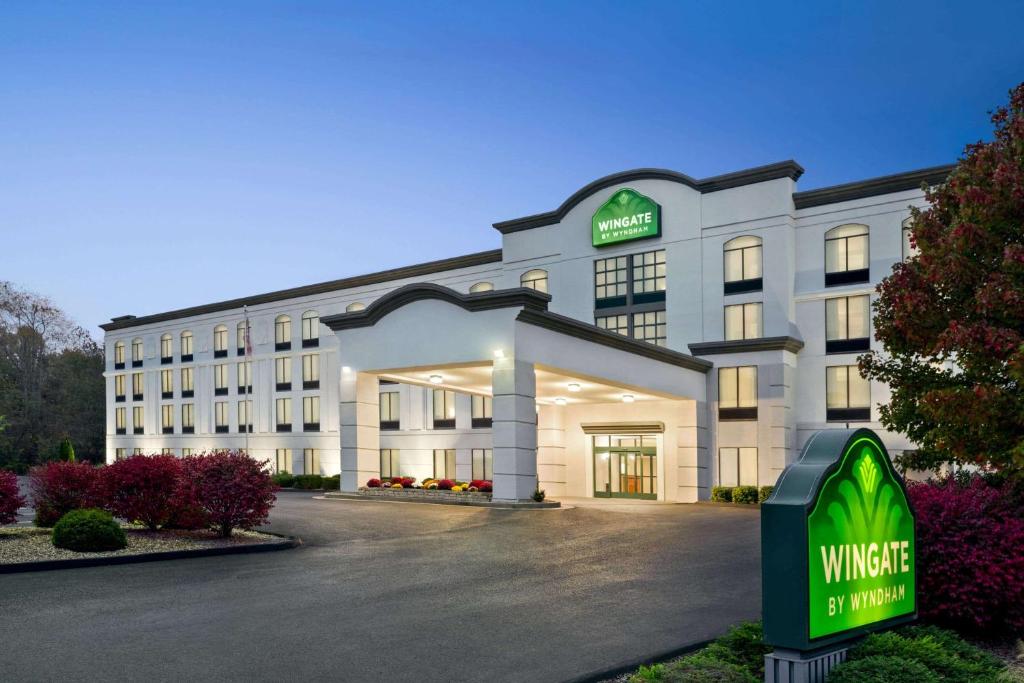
(233, 489)
(486, 487)
(373, 484)
(970, 556)
(10, 498)
(60, 487)
(445, 484)
(143, 488)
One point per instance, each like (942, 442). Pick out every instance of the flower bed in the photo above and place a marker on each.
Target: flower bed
(478, 489)
(422, 493)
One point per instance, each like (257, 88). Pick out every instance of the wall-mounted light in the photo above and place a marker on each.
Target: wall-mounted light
(628, 398)
(559, 401)
(499, 353)
(436, 379)
(574, 387)
(346, 369)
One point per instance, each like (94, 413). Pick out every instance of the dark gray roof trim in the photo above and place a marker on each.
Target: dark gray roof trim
(760, 174)
(528, 299)
(418, 270)
(899, 182)
(791, 344)
(592, 333)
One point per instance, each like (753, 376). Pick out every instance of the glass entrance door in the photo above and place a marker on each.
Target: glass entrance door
(625, 466)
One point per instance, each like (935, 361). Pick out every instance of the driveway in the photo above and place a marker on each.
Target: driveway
(398, 592)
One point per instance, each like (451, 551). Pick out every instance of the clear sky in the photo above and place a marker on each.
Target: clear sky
(156, 155)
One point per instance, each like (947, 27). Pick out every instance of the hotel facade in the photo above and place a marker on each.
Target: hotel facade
(652, 337)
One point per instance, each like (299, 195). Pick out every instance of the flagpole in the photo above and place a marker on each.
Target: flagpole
(248, 381)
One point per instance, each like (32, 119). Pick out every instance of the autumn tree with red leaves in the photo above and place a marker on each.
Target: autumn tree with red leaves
(951, 318)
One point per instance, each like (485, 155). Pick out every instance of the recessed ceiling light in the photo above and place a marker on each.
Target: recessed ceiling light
(436, 379)
(346, 369)
(628, 398)
(559, 401)
(499, 353)
(573, 386)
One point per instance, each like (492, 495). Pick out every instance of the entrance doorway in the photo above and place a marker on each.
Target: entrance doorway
(625, 466)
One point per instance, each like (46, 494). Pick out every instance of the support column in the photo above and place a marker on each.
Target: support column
(693, 457)
(359, 413)
(551, 465)
(514, 429)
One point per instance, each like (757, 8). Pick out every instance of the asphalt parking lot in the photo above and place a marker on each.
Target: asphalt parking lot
(398, 592)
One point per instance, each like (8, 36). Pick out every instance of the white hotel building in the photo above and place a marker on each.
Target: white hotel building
(696, 347)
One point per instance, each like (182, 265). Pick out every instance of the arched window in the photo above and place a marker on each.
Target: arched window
(846, 255)
(220, 341)
(166, 348)
(240, 333)
(355, 306)
(137, 352)
(118, 355)
(282, 333)
(535, 279)
(310, 329)
(186, 346)
(742, 264)
(909, 248)
(481, 287)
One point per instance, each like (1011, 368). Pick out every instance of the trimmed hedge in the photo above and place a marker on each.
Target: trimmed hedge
(284, 479)
(309, 481)
(764, 493)
(88, 531)
(879, 669)
(721, 494)
(745, 494)
(332, 483)
(942, 653)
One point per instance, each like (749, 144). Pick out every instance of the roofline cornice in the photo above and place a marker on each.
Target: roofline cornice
(887, 184)
(791, 344)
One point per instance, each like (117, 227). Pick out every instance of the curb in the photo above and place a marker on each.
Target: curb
(633, 664)
(722, 504)
(547, 505)
(285, 543)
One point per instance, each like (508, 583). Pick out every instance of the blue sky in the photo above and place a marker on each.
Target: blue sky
(161, 155)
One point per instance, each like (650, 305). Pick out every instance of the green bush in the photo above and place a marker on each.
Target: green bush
(721, 494)
(539, 495)
(309, 481)
(705, 668)
(284, 480)
(67, 451)
(743, 645)
(940, 655)
(332, 483)
(88, 531)
(764, 492)
(954, 644)
(881, 669)
(745, 494)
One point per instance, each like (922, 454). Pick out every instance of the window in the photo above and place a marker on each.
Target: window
(847, 324)
(482, 415)
(481, 287)
(283, 373)
(185, 452)
(847, 394)
(167, 384)
(136, 353)
(614, 323)
(737, 393)
(166, 349)
(119, 454)
(535, 279)
(311, 413)
(283, 460)
(241, 332)
(910, 249)
(220, 341)
(743, 321)
(186, 346)
(389, 410)
(649, 276)
(389, 463)
(846, 255)
(310, 329)
(282, 333)
(136, 386)
(483, 464)
(220, 379)
(119, 421)
(167, 418)
(119, 388)
(119, 355)
(136, 451)
(737, 467)
(444, 463)
(188, 388)
(650, 327)
(444, 409)
(244, 372)
(166, 451)
(311, 461)
(245, 416)
(188, 418)
(283, 410)
(138, 423)
(311, 371)
(355, 306)
(742, 264)
(611, 278)
(220, 409)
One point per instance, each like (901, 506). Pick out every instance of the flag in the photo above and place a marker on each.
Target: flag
(248, 335)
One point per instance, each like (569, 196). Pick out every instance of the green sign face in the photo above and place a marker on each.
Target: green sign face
(627, 215)
(860, 544)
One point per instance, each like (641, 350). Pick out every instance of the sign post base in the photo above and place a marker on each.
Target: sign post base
(794, 666)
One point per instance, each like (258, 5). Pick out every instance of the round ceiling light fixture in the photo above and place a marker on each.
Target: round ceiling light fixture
(560, 401)
(574, 387)
(628, 398)
(436, 379)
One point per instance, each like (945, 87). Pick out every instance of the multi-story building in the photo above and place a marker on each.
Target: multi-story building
(652, 336)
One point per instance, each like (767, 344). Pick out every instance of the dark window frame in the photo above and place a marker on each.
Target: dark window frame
(737, 413)
(836, 278)
(311, 384)
(634, 301)
(754, 284)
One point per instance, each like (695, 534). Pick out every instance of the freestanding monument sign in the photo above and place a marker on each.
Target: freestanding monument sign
(837, 549)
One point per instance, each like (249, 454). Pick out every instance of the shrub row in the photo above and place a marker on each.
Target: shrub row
(307, 481)
(747, 495)
(224, 490)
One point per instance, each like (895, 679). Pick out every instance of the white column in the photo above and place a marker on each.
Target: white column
(359, 410)
(514, 429)
(551, 465)
(780, 410)
(693, 458)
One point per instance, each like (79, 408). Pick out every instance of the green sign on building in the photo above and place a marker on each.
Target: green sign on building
(627, 215)
(837, 542)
